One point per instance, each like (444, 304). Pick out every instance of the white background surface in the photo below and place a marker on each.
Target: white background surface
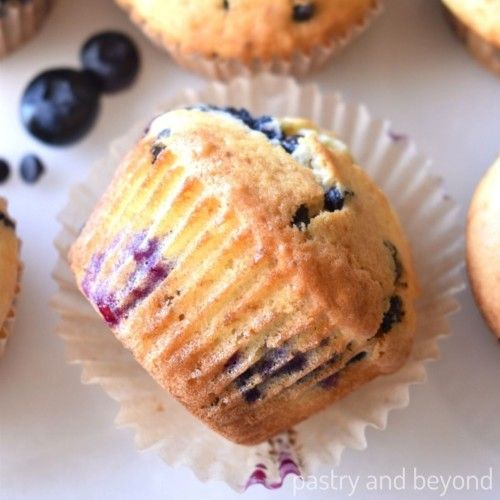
(57, 438)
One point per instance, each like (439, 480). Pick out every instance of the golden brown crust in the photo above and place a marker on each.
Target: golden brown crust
(481, 16)
(9, 271)
(477, 23)
(195, 263)
(248, 29)
(483, 244)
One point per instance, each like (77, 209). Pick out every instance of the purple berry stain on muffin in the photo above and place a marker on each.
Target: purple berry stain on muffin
(150, 270)
(393, 315)
(329, 382)
(357, 358)
(398, 266)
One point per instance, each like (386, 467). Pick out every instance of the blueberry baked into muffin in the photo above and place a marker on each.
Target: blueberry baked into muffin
(9, 272)
(483, 247)
(477, 22)
(224, 37)
(253, 269)
(19, 21)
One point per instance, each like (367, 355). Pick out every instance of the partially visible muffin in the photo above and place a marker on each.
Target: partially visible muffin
(19, 21)
(477, 22)
(483, 246)
(223, 37)
(251, 267)
(9, 272)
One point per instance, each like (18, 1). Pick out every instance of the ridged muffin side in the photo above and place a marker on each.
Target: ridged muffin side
(252, 268)
(9, 272)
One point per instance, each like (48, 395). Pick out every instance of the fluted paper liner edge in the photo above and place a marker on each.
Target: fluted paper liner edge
(429, 217)
(20, 23)
(298, 64)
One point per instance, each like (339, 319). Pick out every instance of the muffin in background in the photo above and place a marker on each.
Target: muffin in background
(9, 272)
(477, 23)
(225, 38)
(19, 21)
(251, 267)
(483, 247)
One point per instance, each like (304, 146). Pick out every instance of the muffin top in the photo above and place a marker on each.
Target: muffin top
(483, 243)
(248, 29)
(8, 263)
(482, 16)
(309, 206)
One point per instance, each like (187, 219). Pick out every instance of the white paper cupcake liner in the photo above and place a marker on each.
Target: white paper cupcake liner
(429, 217)
(19, 22)
(299, 64)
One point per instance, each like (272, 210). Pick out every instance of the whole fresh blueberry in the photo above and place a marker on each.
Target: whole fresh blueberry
(31, 169)
(59, 106)
(113, 58)
(4, 171)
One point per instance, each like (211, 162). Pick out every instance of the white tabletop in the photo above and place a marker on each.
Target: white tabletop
(57, 438)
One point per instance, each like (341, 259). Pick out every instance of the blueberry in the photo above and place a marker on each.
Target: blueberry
(268, 126)
(393, 315)
(303, 12)
(243, 379)
(4, 171)
(31, 169)
(290, 143)
(59, 106)
(232, 362)
(113, 59)
(271, 359)
(164, 134)
(334, 199)
(156, 150)
(301, 217)
(241, 114)
(296, 364)
(252, 395)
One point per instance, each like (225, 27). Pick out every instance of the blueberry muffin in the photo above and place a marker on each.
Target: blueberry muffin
(253, 269)
(226, 37)
(483, 244)
(9, 272)
(477, 22)
(19, 21)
